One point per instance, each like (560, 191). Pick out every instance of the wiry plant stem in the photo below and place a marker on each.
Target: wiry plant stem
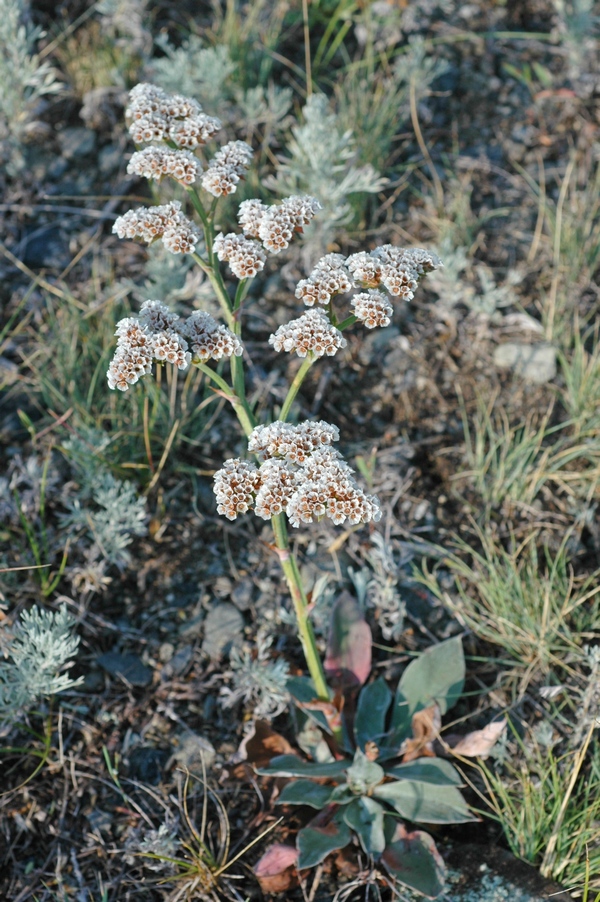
(289, 566)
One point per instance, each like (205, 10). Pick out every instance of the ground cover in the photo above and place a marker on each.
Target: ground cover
(468, 130)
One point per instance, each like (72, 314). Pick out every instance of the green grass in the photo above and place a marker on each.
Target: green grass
(525, 601)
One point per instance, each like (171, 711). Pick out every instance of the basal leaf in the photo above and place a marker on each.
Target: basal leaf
(413, 860)
(303, 692)
(324, 834)
(293, 766)
(427, 770)
(427, 803)
(348, 658)
(373, 704)
(438, 675)
(365, 817)
(305, 792)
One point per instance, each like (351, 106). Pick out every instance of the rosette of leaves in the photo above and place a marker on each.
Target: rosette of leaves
(390, 773)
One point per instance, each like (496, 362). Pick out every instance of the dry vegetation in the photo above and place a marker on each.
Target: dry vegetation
(470, 129)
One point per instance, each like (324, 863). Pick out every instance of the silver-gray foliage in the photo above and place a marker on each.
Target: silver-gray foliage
(257, 681)
(194, 70)
(23, 75)
(43, 645)
(321, 162)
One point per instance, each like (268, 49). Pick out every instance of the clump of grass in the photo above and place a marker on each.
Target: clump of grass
(66, 372)
(528, 603)
(548, 804)
(512, 464)
(581, 393)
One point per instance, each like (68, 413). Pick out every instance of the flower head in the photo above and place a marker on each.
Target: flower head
(312, 333)
(372, 308)
(235, 487)
(158, 162)
(300, 474)
(226, 168)
(208, 339)
(156, 115)
(250, 215)
(291, 443)
(279, 221)
(246, 257)
(329, 277)
(401, 268)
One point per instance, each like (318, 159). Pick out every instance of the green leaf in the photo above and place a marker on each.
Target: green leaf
(365, 817)
(427, 770)
(292, 766)
(413, 860)
(305, 792)
(425, 802)
(438, 675)
(364, 775)
(348, 658)
(373, 704)
(303, 691)
(324, 834)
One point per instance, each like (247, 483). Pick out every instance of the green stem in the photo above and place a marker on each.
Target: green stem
(349, 321)
(243, 412)
(300, 602)
(295, 386)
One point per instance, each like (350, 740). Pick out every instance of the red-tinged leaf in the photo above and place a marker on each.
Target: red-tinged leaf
(325, 833)
(276, 870)
(479, 743)
(348, 659)
(414, 861)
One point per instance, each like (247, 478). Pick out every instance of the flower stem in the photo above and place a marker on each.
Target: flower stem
(289, 566)
(295, 386)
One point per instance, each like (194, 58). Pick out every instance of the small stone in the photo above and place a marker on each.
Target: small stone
(242, 595)
(222, 629)
(535, 363)
(146, 764)
(127, 666)
(191, 751)
(77, 142)
(166, 652)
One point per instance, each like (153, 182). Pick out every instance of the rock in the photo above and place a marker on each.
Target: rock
(222, 629)
(127, 666)
(478, 873)
(178, 662)
(191, 750)
(535, 363)
(146, 764)
(242, 595)
(77, 142)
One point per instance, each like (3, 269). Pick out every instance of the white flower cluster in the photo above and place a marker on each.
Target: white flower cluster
(396, 269)
(372, 308)
(310, 333)
(329, 277)
(158, 162)
(226, 168)
(210, 340)
(156, 115)
(179, 234)
(158, 334)
(246, 257)
(275, 225)
(300, 474)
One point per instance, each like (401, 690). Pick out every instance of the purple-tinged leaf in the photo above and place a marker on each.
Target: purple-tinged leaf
(413, 860)
(348, 659)
(324, 834)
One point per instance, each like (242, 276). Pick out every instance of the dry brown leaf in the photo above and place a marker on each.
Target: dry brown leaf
(426, 725)
(479, 743)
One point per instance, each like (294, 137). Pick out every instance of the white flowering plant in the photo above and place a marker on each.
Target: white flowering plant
(293, 474)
